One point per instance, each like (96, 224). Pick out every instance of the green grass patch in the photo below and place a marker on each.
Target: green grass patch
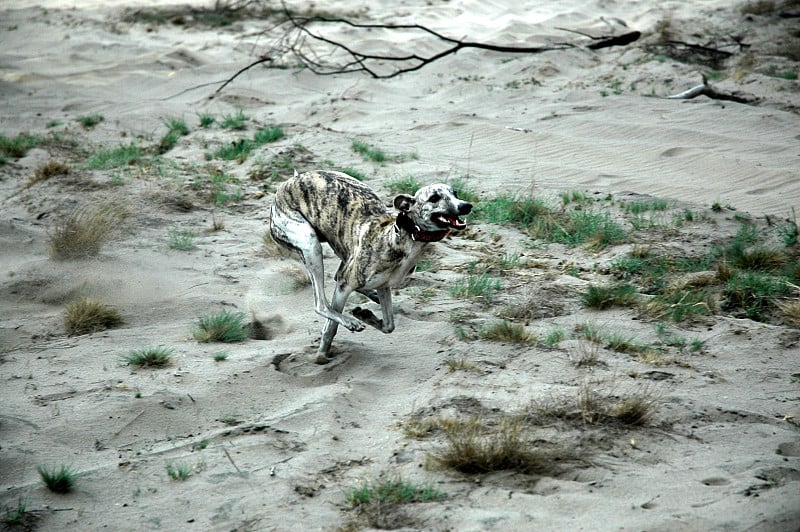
(150, 357)
(179, 472)
(206, 120)
(754, 293)
(236, 121)
(464, 190)
(554, 336)
(58, 479)
(476, 287)
(510, 209)
(405, 185)
(377, 155)
(90, 120)
(181, 239)
(16, 147)
(394, 491)
(122, 155)
(239, 149)
(222, 326)
(604, 297)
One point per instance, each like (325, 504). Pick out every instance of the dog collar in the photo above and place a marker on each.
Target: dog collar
(404, 222)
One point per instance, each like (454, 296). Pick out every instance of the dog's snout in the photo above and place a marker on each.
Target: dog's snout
(465, 208)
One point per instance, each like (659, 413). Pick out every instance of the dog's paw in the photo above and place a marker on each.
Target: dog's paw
(354, 324)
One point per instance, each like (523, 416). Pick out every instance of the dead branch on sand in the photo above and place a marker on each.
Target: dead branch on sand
(303, 38)
(707, 90)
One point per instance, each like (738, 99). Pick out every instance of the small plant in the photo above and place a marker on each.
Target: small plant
(182, 240)
(603, 297)
(240, 149)
(122, 155)
(19, 517)
(396, 491)
(460, 364)
(464, 190)
(58, 479)
(91, 120)
(222, 326)
(176, 128)
(473, 286)
(206, 120)
(506, 331)
(48, 170)
(554, 336)
(586, 355)
(268, 134)
(150, 357)
(353, 172)
(219, 357)
(508, 209)
(472, 448)
(753, 292)
(179, 472)
(630, 409)
(18, 146)
(368, 152)
(53, 123)
(788, 231)
(406, 185)
(87, 315)
(234, 121)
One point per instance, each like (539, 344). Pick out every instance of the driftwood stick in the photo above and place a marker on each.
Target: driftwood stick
(705, 89)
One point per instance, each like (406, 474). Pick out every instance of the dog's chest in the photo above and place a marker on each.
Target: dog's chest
(391, 271)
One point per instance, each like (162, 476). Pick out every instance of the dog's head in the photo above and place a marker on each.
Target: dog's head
(434, 208)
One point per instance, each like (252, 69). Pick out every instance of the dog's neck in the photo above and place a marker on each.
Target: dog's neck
(404, 223)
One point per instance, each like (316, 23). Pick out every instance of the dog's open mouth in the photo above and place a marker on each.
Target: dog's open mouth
(451, 222)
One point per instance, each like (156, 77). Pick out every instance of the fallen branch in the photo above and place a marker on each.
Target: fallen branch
(707, 90)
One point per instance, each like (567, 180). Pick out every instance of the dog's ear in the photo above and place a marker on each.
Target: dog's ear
(403, 202)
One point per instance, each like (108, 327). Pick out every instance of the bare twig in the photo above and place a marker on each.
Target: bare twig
(707, 90)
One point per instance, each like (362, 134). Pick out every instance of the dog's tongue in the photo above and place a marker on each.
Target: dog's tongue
(456, 223)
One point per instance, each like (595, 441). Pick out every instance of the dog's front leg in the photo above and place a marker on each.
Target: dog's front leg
(387, 323)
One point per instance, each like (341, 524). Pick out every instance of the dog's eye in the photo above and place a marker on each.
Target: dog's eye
(434, 198)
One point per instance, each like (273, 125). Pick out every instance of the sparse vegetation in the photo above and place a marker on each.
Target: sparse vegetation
(181, 239)
(58, 479)
(49, 169)
(603, 297)
(206, 120)
(405, 185)
(222, 326)
(90, 120)
(377, 155)
(395, 491)
(122, 155)
(176, 128)
(179, 472)
(235, 121)
(460, 364)
(16, 147)
(240, 149)
(150, 357)
(476, 287)
(506, 331)
(87, 315)
(219, 357)
(84, 231)
(19, 517)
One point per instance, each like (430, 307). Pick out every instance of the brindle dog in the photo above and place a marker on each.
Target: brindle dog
(377, 250)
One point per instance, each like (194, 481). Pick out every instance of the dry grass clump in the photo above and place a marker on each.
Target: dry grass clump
(84, 231)
(790, 311)
(506, 331)
(631, 409)
(46, 171)
(90, 315)
(475, 447)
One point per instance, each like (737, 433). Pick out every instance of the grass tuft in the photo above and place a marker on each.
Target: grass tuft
(16, 147)
(603, 297)
(236, 121)
(58, 479)
(506, 331)
(476, 287)
(150, 357)
(87, 315)
(181, 240)
(179, 472)
(91, 120)
(405, 185)
(222, 326)
(396, 491)
(83, 232)
(122, 155)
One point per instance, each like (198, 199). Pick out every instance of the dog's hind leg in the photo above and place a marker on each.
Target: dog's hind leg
(387, 323)
(340, 295)
(294, 231)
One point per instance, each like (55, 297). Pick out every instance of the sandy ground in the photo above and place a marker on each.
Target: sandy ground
(276, 442)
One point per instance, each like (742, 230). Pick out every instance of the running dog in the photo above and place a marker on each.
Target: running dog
(378, 250)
